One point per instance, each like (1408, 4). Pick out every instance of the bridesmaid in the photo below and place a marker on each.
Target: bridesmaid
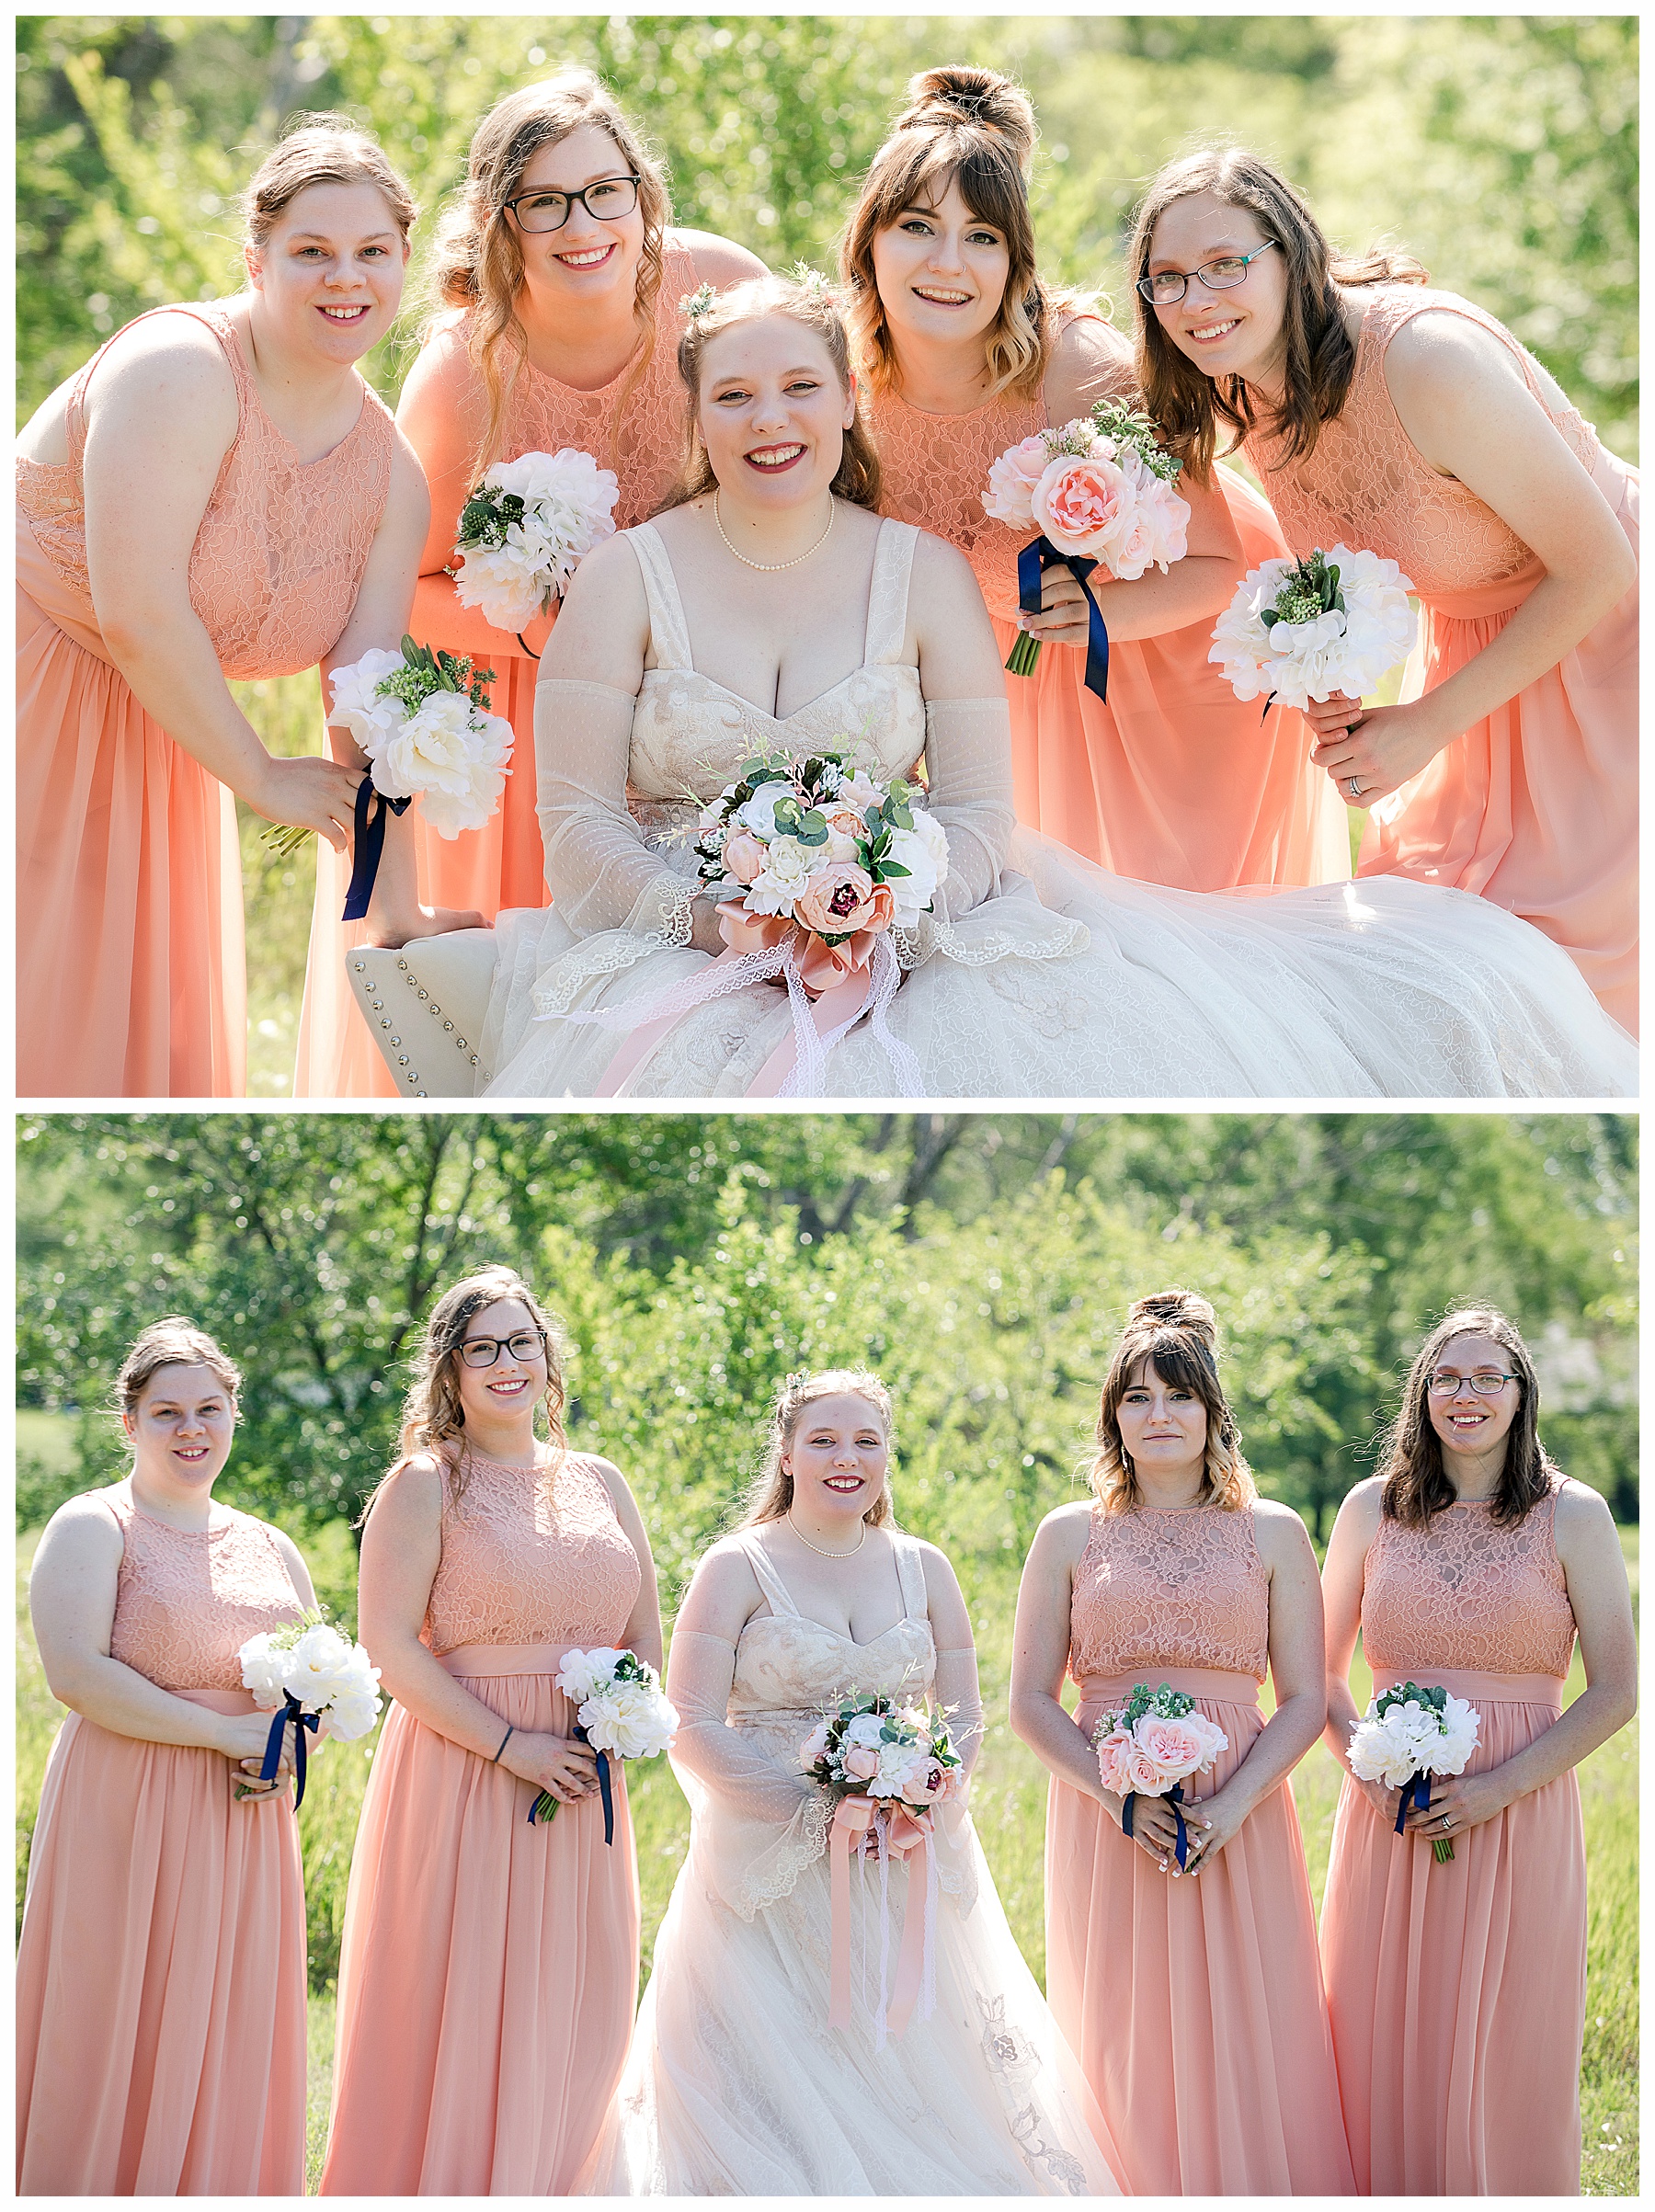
(1458, 1991)
(964, 351)
(216, 494)
(489, 1967)
(1193, 2004)
(559, 333)
(1409, 422)
(161, 1983)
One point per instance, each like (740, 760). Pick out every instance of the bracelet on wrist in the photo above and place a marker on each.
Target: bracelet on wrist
(504, 1741)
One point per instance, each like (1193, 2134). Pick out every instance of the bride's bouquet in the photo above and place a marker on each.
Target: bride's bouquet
(622, 1713)
(1151, 1746)
(1099, 493)
(1409, 1734)
(526, 529)
(305, 1670)
(1302, 630)
(902, 1755)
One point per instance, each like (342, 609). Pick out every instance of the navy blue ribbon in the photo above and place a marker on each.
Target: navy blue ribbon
(369, 844)
(1415, 1790)
(545, 1797)
(1041, 553)
(1174, 1798)
(291, 1710)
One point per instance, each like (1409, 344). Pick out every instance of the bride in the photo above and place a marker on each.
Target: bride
(772, 609)
(736, 2084)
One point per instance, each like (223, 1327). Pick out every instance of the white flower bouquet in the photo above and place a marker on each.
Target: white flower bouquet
(305, 1670)
(622, 1713)
(1151, 1747)
(1407, 1735)
(1302, 630)
(422, 719)
(525, 530)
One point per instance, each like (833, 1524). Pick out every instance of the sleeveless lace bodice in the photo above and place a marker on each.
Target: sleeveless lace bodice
(1367, 483)
(531, 1557)
(645, 445)
(187, 1600)
(282, 545)
(934, 471)
(1462, 1592)
(1170, 1590)
(787, 1665)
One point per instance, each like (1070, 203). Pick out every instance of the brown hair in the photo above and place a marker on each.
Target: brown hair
(433, 1418)
(977, 128)
(1177, 1332)
(320, 149)
(808, 301)
(1416, 1482)
(1322, 359)
(479, 263)
(175, 1342)
(770, 1497)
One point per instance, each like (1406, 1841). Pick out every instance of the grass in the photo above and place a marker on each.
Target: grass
(1009, 1806)
(286, 711)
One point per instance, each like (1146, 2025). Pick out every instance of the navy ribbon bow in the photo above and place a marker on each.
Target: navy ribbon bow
(1041, 553)
(1416, 1791)
(291, 1710)
(1175, 1799)
(603, 1785)
(369, 844)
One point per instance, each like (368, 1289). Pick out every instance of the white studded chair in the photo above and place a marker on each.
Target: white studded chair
(423, 1003)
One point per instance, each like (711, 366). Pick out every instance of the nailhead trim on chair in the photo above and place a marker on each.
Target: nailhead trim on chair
(386, 1023)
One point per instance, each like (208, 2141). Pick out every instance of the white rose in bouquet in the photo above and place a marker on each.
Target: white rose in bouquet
(264, 1671)
(787, 869)
(584, 1672)
(923, 851)
(371, 716)
(454, 756)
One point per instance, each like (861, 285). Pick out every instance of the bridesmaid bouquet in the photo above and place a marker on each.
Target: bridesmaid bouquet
(1302, 630)
(1099, 494)
(1405, 1735)
(900, 1754)
(306, 1668)
(1151, 1747)
(623, 1714)
(525, 530)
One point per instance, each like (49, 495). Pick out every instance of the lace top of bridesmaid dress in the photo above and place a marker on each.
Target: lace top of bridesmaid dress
(281, 550)
(533, 1558)
(934, 471)
(187, 1600)
(1462, 1592)
(1182, 1589)
(1367, 484)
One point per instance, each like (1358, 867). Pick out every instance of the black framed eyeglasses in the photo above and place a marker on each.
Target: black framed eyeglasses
(605, 198)
(1486, 1382)
(482, 1352)
(1168, 286)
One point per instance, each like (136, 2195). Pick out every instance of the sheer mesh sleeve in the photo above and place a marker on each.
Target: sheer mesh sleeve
(600, 874)
(750, 1782)
(968, 769)
(955, 1690)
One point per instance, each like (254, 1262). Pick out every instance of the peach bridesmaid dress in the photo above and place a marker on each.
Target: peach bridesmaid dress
(161, 2005)
(130, 976)
(1174, 780)
(502, 864)
(489, 1969)
(1458, 1991)
(1535, 806)
(1194, 2006)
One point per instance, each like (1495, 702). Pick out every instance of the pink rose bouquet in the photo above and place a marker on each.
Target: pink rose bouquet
(1151, 1746)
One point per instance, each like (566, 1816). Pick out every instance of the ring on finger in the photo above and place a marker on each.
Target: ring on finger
(1353, 787)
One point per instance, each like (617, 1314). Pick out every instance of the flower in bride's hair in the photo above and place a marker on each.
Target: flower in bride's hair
(692, 305)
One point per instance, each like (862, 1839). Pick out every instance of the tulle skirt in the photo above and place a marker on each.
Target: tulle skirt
(161, 1984)
(1458, 1990)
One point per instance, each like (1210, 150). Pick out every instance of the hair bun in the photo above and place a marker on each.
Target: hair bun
(960, 95)
(1182, 1308)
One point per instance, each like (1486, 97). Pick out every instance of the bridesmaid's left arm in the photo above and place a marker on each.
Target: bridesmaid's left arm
(1463, 401)
(1297, 1669)
(644, 1628)
(1594, 1571)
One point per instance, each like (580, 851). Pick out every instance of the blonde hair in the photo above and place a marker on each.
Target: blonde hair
(433, 1417)
(770, 1497)
(804, 300)
(478, 265)
(977, 128)
(1177, 1332)
(320, 149)
(175, 1342)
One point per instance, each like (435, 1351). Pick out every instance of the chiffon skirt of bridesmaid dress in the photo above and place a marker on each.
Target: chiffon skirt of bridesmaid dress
(1535, 806)
(131, 979)
(1458, 1991)
(1195, 2006)
(489, 1969)
(161, 1977)
(1174, 780)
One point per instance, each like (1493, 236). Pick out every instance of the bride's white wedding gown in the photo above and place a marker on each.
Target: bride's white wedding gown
(1040, 975)
(735, 2084)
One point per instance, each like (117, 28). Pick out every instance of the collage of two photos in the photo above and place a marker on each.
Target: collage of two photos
(827, 1128)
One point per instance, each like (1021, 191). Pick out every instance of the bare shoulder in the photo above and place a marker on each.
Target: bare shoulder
(1583, 1515)
(84, 1529)
(609, 1475)
(723, 1578)
(609, 582)
(1278, 1530)
(1089, 361)
(412, 1494)
(410, 495)
(443, 368)
(719, 262)
(1362, 1509)
(1062, 1537)
(1440, 356)
(941, 570)
(167, 372)
(939, 1568)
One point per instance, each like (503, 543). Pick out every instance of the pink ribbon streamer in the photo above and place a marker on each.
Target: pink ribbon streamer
(896, 1833)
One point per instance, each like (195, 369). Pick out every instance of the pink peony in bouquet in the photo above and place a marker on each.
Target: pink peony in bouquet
(1151, 1746)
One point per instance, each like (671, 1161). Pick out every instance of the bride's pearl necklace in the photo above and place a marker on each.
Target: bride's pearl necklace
(821, 1550)
(774, 568)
